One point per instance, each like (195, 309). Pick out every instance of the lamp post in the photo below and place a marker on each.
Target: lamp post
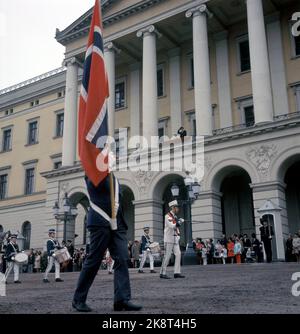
(68, 212)
(193, 190)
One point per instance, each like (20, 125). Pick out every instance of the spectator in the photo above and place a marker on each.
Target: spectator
(296, 246)
(230, 250)
(70, 248)
(224, 254)
(257, 248)
(37, 262)
(289, 249)
(237, 250)
(30, 262)
(224, 240)
(204, 253)
(135, 253)
(246, 245)
(218, 250)
(198, 250)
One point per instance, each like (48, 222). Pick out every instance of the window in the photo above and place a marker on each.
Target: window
(161, 131)
(243, 54)
(32, 132)
(191, 71)
(249, 115)
(246, 108)
(61, 94)
(160, 81)
(120, 94)
(3, 186)
(162, 127)
(29, 181)
(26, 232)
(59, 125)
(6, 141)
(57, 165)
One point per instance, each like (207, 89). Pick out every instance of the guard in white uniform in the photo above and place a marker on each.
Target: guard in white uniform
(171, 241)
(52, 246)
(146, 251)
(11, 250)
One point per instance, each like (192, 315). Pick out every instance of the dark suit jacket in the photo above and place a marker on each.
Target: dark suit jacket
(10, 251)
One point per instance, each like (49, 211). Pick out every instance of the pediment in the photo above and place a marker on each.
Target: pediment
(112, 11)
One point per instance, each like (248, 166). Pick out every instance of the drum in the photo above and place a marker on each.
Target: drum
(21, 258)
(62, 255)
(154, 247)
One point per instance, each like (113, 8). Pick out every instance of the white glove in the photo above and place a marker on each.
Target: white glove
(181, 220)
(13, 258)
(53, 255)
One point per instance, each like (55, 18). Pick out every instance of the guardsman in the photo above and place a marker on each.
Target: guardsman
(171, 241)
(146, 251)
(266, 234)
(10, 252)
(52, 246)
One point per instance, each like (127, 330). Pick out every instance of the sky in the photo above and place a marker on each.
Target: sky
(27, 36)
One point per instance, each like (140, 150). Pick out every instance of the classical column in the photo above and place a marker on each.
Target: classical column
(135, 117)
(277, 67)
(70, 113)
(175, 90)
(109, 56)
(224, 93)
(149, 108)
(260, 69)
(203, 109)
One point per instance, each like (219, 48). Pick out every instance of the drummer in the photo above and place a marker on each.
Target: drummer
(146, 251)
(11, 251)
(52, 246)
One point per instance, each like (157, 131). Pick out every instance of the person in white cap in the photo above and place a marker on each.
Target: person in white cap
(171, 241)
(146, 251)
(52, 246)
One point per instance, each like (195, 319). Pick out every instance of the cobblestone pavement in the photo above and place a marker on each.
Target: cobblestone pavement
(245, 288)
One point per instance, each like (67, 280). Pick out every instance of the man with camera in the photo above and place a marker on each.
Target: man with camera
(171, 241)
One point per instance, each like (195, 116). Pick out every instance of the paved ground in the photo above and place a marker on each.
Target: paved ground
(246, 288)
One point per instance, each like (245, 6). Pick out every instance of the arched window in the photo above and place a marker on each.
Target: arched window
(26, 232)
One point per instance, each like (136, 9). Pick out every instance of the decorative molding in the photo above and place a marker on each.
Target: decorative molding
(111, 47)
(262, 156)
(143, 179)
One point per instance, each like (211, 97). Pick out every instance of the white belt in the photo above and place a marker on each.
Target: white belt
(100, 211)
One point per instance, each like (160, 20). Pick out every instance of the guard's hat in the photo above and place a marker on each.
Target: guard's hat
(262, 220)
(51, 230)
(146, 228)
(173, 203)
(13, 236)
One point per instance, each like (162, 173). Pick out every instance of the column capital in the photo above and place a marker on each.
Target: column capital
(71, 61)
(199, 10)
(148, 31)
(111, 47)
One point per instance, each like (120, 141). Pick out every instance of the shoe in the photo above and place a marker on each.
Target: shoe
(110, 272)
(126, 306)
(140, 271)
(45, 280)
(179, 276)
(17, 282)
(81, 306)
(164, 276)
(59, 280)
(152, 271)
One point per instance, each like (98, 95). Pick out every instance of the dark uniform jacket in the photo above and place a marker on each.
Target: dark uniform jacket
(265, 232)
(11, 250)
(52, 246)
(145, 242)
(100, 196)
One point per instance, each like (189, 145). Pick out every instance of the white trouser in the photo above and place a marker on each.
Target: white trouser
(12, 265)
(52, 260)
(110, 265)
(204, 261)
(169, 248)
(144, 257)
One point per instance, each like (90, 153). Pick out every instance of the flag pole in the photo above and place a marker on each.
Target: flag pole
(112, 195)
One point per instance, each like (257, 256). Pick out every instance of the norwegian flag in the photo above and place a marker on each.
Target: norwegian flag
(92, 120)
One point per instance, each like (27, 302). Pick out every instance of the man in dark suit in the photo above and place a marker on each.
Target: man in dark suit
(266, 232)
(103, 236)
